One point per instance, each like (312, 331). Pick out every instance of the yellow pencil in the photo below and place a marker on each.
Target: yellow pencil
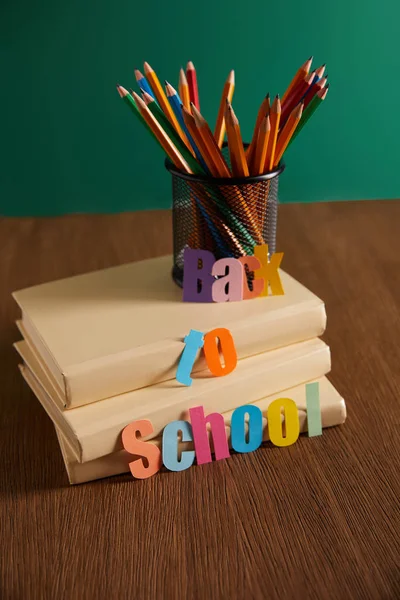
(262, 111)
(184, 90)
(209, 140)
(300, 74)
(287, 132)
(275, 117)
(235, 143)
(163, 101)
(261, 149)
(227, 94)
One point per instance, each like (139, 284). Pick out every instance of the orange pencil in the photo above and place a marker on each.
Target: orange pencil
(201, 145)
(227, 94)
(169, 148)
(262, 111)
(287, 132)
(209, 140)
(184, 90)
(296, 96)
(301, 73)
(261, 148)
(192, 82)
(275, 117)
(162, 100)
(236, 150)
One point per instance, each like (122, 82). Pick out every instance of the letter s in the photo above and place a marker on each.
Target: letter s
(141, 449)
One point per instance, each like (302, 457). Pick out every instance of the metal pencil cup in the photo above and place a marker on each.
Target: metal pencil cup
(226, 216)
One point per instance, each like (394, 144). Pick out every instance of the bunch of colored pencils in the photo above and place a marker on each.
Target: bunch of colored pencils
(176, 122)
(174, 119)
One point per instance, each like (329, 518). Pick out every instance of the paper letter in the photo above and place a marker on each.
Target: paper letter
(238, 436)
(252, 264)
(229, 287)
(200, 437)
(140, 448)
(269, 270)
(291, 422)
(211, 351)
(314, 424)
(197, 281)
(193, 341)
(170, 446)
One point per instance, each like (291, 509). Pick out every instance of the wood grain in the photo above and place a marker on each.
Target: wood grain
(319, 519)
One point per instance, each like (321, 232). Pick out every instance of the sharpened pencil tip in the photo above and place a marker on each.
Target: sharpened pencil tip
(190, 66)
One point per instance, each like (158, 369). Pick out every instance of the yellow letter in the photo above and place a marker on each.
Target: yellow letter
(292, 425)
(269, 270)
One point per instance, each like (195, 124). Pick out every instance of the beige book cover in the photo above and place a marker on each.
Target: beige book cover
(95, 430)
(333, 412)
(120, 329)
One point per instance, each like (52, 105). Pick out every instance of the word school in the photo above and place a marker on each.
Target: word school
(225, 280)
(200, 426)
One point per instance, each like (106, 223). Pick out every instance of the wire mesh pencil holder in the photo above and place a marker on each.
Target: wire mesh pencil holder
(226, 216)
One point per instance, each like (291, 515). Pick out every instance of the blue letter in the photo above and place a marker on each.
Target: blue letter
(238, 436)
(170, 446)
(194, 341)
(314, 424)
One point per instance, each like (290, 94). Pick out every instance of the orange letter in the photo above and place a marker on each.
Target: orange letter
(252, 263)
(211, 350)
(139, 448)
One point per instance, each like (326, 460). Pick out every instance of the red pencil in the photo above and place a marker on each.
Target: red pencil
(317, 87)
(295, 97)
(192, 83)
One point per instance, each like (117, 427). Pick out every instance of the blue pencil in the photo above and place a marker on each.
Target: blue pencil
(176, 105)
(143, 83)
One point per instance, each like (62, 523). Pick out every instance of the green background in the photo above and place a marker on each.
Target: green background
(68, 144)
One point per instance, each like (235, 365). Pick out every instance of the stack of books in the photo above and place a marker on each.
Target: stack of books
(101, 350)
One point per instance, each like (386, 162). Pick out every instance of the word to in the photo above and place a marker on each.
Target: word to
(208, 280)
(201, 428)
(194, 341)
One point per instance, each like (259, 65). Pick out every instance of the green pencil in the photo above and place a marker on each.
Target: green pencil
(172, 134)
(310, 110)
(129, 101)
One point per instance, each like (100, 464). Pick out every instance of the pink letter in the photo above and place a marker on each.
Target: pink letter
(230, 284)
(200, 436)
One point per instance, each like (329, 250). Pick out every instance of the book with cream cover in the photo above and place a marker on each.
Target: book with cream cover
(333, 412)
(120, 329)
(95, 430)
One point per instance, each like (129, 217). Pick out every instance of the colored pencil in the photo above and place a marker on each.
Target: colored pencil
(209, 140)
(184, 90)
(260, 154)
(315, 88)
(275, 118)
(162, 99)
(198, 140)
(235, 143)
(262, 112)
(310, 110)
(129, 101)
(227, 94)
(301, 73)
(143, 83)
(169, 148)
(320, 71)
(295, 97)
(287, 132)
(171, 132)
(192, 83)
(176, 105)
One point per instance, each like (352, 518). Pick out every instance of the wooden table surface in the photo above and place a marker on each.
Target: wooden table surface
(319, 519)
